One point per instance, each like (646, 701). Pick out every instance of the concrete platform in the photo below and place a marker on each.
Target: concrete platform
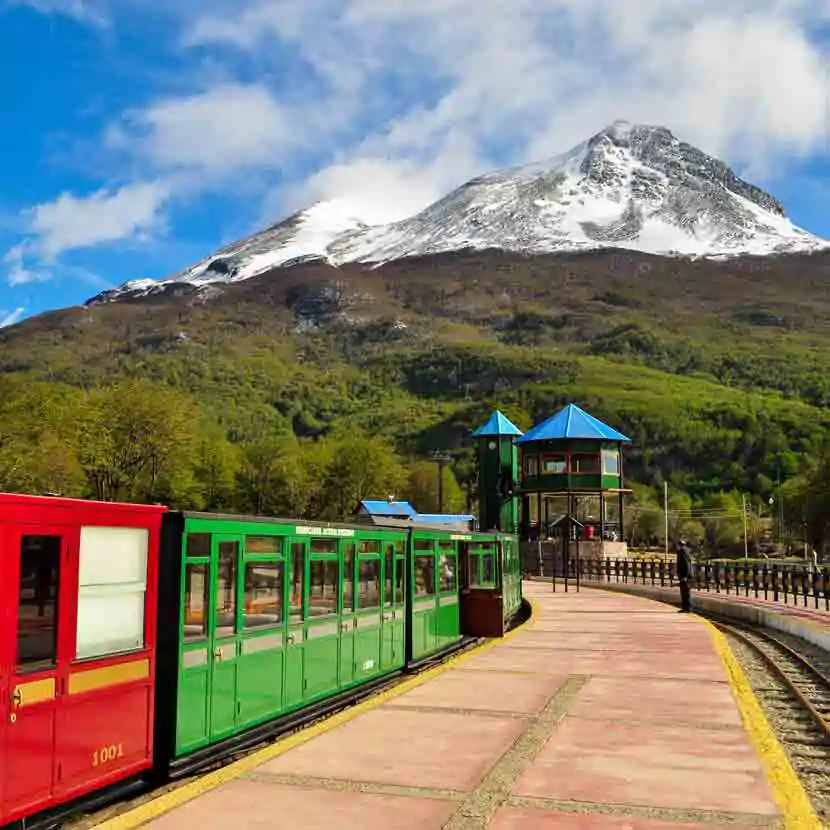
(808, 622)
(605, 712)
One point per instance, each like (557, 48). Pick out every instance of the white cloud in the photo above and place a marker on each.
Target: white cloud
(9, 318)
(516, 80)
(390, 103)
(230, 126)
(71, 223)
(81, 10)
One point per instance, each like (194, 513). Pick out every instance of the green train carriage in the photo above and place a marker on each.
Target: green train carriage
(262, 619)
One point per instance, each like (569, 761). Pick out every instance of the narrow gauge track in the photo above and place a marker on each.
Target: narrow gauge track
(797, 685)
(109, 803)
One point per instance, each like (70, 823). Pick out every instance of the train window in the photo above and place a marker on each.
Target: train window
(488, 570)
(198, 545)
(423, 544)
(370, 547)
(447, 572)
(400, 575)
(424, 576)
(324, 584)
(532, 465)
(348, 577)
(226, 589)
(389, 582)
(263, 594)
(196, 585)
(448, 546)
(368, 585)
(295, 609)
(263, 544)
(324, 545)
(112, 588)
(37, 616)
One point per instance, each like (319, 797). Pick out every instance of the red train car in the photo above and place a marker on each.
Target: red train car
(78, 591)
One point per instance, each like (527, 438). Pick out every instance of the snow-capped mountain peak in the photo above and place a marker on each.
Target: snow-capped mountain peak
(629, 186)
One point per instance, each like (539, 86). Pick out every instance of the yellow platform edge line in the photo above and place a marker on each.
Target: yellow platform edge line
(786, 787)
(200, 786)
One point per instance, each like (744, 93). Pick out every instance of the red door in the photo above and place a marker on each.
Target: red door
(33, 563)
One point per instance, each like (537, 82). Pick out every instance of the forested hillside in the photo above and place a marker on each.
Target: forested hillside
(302, 390)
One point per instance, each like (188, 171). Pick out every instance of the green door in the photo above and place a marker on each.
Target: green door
(322, 660)
(224, 635)
(295, 639)
(348, 621)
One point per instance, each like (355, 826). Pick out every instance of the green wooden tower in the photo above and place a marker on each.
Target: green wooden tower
(572, 478)
(498, 474)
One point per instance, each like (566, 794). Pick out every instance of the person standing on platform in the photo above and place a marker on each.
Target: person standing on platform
(684, 573)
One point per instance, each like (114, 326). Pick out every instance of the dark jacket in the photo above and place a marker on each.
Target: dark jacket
(684, 562)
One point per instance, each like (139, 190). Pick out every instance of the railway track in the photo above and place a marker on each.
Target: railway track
(795, 691)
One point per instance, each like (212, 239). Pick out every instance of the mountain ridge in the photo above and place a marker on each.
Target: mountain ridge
(632, 187)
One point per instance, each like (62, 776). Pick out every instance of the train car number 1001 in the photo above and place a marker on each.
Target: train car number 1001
(107, 753)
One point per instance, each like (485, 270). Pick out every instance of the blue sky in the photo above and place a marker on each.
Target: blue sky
(139, 136)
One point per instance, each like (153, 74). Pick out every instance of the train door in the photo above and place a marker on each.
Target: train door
(394, 611)
(35, 561)
(348, 620)
(447, 619)
(295, 645)
(224, 634)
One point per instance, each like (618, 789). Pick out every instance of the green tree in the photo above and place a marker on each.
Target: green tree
(139, 441)
(423, 491)
(360, 467)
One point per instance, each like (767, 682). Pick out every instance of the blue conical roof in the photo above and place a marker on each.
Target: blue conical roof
(572, 422)
(497, 425)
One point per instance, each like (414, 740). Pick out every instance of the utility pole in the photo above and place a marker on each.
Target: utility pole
(442, 460)
(743, 514)
(666, 514)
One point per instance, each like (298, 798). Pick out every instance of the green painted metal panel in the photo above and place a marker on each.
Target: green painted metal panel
(260, 678)
(192, 711)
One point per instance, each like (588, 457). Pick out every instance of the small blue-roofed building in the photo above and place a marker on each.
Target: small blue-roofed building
(572, 467)
(392, 513)
(386, 508)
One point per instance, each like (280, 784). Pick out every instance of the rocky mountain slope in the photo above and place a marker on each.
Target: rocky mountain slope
(627, 187)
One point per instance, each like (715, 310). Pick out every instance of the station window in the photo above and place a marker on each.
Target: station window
(553, 465)
(112, 587)
(447, 572)
(197, 545)
(424, 576)
(323, 588)
(195, 602)
(295, 608)
(348, 577)
(611, 462)
(368, 585)
(388, 583)
(263, 545)
(226, 589)
(585, 464)
(263, 594)
(324, 545)
(531, 465)
(37, 620)
(370, 547)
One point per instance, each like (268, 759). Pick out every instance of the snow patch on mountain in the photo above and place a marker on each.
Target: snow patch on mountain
(629, 186)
